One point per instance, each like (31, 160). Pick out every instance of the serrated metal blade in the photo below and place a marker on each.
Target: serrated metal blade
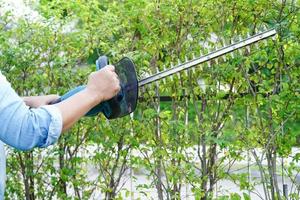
(210, 56)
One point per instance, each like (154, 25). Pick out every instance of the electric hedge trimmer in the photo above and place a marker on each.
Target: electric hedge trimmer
(125, 101)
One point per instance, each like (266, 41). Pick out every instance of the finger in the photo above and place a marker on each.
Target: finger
(111, 68)
(118, 80)
(51, 98)
(117, 77)
(117, 89)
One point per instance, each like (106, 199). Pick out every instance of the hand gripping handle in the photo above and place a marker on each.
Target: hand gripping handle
(102, 107)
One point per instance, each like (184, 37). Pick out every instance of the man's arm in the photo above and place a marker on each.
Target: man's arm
(25, 128)
(102, 85)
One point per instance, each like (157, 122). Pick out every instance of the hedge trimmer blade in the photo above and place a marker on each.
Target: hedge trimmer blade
(208, 57)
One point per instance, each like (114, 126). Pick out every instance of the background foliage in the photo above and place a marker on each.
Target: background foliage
(248, 104)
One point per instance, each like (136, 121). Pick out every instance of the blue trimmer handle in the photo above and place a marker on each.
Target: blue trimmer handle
(102, 107)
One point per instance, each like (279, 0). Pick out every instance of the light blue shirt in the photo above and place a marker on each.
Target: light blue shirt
(24, 128)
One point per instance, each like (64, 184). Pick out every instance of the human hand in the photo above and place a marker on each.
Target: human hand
(38, 101)
(103, 84)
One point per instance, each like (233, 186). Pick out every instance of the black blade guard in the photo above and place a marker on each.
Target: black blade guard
(125, 101)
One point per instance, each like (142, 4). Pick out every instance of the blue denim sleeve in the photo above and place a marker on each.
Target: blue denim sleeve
(2, 171)
(24, 128)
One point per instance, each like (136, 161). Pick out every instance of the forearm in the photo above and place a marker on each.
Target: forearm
(73, 108)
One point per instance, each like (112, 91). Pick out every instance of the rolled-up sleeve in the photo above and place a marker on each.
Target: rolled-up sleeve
(54, 124)
(24, 128)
